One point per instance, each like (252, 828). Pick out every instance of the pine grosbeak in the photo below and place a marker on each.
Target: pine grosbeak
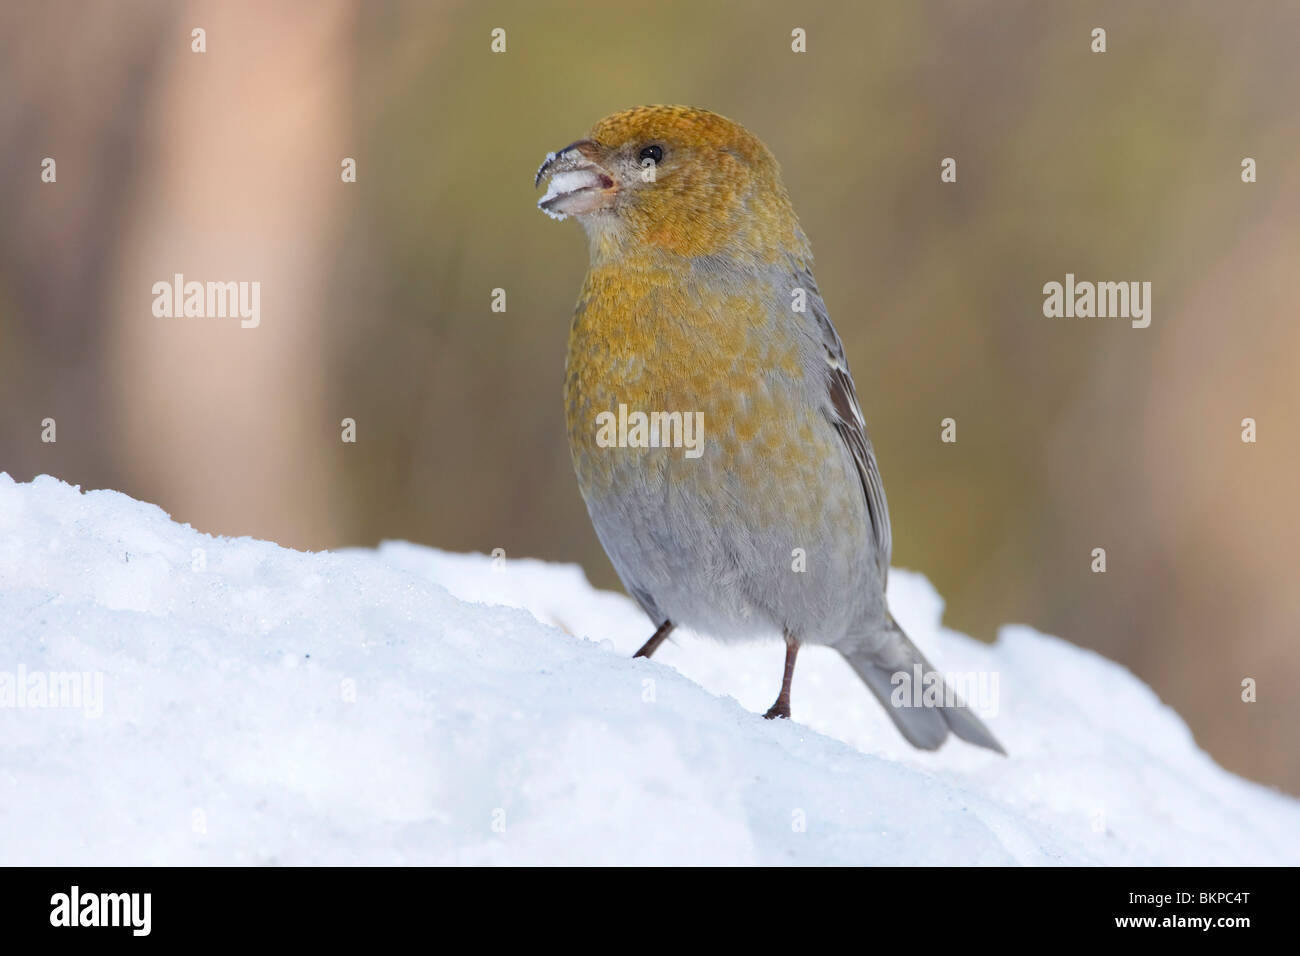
(700, 309)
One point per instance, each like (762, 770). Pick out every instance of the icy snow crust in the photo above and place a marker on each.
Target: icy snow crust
(261, 705)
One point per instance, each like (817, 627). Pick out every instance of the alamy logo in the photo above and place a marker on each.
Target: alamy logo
(651, 430)
(102, 909)
(921, 688)
(1083, 300)
(36, 690)
(208, 300)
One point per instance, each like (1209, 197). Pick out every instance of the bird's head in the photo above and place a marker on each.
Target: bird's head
(672, 179)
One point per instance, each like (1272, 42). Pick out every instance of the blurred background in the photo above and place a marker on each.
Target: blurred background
(376, 295)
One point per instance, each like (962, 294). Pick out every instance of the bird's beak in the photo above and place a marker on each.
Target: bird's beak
(578, 184)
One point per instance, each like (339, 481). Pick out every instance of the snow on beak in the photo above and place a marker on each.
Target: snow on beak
(577, 185)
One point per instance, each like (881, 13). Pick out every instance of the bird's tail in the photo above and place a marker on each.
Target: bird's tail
(925, 725)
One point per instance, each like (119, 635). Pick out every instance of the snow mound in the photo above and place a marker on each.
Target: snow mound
(167, 697)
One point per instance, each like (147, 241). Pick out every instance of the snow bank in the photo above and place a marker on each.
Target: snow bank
(262, 705)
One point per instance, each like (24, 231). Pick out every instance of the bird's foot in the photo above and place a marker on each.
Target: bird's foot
(782, 706)
(780, 709)
(659, 636)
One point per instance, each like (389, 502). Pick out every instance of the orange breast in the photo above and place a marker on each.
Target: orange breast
(650, 341)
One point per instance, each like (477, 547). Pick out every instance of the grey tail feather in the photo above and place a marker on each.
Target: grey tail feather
(877, 661)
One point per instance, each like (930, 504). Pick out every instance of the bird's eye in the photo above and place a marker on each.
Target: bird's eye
(652, 153)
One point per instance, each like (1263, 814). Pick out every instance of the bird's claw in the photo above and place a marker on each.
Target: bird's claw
(779, 709)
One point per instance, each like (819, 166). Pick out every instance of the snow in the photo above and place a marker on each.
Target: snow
(262, 705)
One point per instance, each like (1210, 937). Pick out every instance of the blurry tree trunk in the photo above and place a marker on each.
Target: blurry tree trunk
(226, 427)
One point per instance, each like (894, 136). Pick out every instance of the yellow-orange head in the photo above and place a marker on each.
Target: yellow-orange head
(676, 180)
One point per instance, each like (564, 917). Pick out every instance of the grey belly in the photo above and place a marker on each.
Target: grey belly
(737, 552)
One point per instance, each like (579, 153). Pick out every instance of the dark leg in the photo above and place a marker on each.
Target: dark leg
(782, 706)
(659, 636)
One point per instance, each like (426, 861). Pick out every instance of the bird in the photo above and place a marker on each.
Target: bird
(713, 424)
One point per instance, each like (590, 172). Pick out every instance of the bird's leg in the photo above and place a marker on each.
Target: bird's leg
(659, 636)
(782, 706)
